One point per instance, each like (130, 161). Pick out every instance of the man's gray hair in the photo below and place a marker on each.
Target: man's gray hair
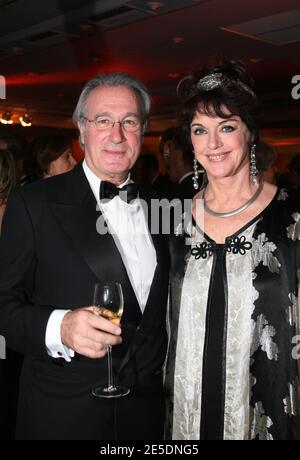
(114, 79)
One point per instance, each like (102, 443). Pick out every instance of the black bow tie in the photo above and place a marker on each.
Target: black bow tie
(127, 193)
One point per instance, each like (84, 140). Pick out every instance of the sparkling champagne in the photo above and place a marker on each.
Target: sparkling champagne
(114, 314)
(108, 302)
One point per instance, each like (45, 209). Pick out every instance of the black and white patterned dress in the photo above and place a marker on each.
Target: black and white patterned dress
(233, 368)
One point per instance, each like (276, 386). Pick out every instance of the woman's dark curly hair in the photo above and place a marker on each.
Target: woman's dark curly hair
(217, 90)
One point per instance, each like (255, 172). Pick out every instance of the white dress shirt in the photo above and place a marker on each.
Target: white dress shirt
(128, 226)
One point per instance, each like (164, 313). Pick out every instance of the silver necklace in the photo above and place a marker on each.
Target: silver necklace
(235, 211)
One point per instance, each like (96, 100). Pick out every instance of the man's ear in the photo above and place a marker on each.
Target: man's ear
(81, 128)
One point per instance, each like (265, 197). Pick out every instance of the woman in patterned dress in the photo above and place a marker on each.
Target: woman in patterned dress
(233, 368)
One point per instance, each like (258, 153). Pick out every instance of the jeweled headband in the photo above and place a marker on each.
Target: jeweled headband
(214, 80)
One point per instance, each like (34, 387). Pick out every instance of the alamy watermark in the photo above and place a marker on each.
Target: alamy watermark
(2, 87)
(296, 348)
(296, 89)
(2, 347)
(162, 216)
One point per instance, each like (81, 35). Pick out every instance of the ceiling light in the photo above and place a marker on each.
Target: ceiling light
(155, 5)
(26, 120)
(6, 118)
(17, 50)
(85, 26)
(255, 60)
(177, 40)
(5, 2)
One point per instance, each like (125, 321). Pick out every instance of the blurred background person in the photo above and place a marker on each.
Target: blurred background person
(180, 166)
(164, 148)
(9, 367)
(8, 178)
(265, 162)
(177, 155)
(294, 173)
(147, 171)
(18, 147)
(49, 156)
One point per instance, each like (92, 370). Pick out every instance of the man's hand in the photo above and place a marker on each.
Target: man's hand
(89, 334)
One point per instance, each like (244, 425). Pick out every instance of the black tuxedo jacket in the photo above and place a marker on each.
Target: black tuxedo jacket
(50, 257)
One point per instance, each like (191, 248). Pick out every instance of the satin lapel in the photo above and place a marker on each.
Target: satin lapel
(77, 213)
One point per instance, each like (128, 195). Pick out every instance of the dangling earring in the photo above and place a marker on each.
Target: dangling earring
(196, 174)
(253, 168)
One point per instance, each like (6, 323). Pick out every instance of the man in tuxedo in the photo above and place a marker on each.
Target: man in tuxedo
(178, 158)
(147, 171)
(52, 252)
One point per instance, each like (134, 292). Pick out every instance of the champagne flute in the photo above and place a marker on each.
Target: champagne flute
(108, 302)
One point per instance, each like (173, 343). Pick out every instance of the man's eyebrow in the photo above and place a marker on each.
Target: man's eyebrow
(109, 114)
(101, 114)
